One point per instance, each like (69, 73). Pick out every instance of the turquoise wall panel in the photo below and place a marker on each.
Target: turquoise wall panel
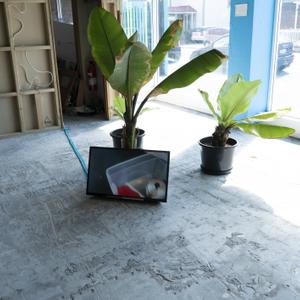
(251, 43)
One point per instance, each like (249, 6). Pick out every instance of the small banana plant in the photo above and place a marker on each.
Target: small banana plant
(233, 100)
(128, 65)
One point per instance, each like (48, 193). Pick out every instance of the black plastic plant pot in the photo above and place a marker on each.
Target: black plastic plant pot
(117, 138)
(216, 160)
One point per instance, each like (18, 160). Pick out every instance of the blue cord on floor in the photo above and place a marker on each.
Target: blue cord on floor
(76, 151)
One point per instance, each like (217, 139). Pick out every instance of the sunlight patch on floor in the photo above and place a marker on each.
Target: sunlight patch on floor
(266, 169)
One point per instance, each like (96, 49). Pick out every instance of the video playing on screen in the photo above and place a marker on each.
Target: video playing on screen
(133, 174)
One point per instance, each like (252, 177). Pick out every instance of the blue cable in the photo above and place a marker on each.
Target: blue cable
(76, 151)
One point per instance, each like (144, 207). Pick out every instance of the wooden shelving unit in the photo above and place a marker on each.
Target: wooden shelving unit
(32, 48)
(2, 49)
(40, 91)
(13, 94)
(29, 89)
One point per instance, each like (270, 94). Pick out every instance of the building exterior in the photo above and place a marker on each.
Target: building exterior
(205, 11)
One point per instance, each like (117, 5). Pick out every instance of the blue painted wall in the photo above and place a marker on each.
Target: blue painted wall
(251, 42)
(240, 40)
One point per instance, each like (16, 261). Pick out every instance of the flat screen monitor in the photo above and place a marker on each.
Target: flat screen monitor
(130, 174)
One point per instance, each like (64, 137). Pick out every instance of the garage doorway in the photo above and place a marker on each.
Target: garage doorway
(63, 26)
(81, 83)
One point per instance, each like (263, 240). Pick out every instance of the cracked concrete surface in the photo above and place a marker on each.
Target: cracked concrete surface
(226, 237)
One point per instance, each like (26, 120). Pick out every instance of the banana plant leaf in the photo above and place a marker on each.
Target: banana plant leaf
(107, 39)
(169, 40)
(131, 70)
(190, 72)
(119, 106)
(237, 99)
(134, 38)
(147, 109)
(266, 131)
(227, 85)
(267, 116)
(205, 97)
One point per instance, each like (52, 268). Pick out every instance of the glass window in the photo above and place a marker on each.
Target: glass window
(204, 28)
(137, 16)
(222, 42)
(288, 15)
(287, 64)
(298, 17)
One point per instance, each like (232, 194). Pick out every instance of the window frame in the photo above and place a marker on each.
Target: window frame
(290, 121)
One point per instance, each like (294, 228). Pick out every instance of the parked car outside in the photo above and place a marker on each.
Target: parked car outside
(284, 59)
(285, 55)
(207, 35)
(297, 46)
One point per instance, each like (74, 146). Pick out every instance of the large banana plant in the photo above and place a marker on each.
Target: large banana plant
(128, 64)
(234, 99)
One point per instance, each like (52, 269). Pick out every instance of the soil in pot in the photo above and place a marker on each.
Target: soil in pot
(117, 138)
(216, 160)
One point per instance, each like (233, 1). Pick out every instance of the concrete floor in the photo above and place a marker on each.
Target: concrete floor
(227, 237)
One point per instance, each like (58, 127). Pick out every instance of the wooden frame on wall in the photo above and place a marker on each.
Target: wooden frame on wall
(29, 89)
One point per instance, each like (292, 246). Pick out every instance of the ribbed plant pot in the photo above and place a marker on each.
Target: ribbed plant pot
(216, 160)
(117, 138)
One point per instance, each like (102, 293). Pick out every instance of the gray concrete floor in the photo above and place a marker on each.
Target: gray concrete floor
(227, 237)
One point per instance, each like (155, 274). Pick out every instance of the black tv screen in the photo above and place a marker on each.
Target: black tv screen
(129, 174)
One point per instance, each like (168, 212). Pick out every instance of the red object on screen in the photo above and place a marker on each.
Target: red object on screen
(125, 190)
